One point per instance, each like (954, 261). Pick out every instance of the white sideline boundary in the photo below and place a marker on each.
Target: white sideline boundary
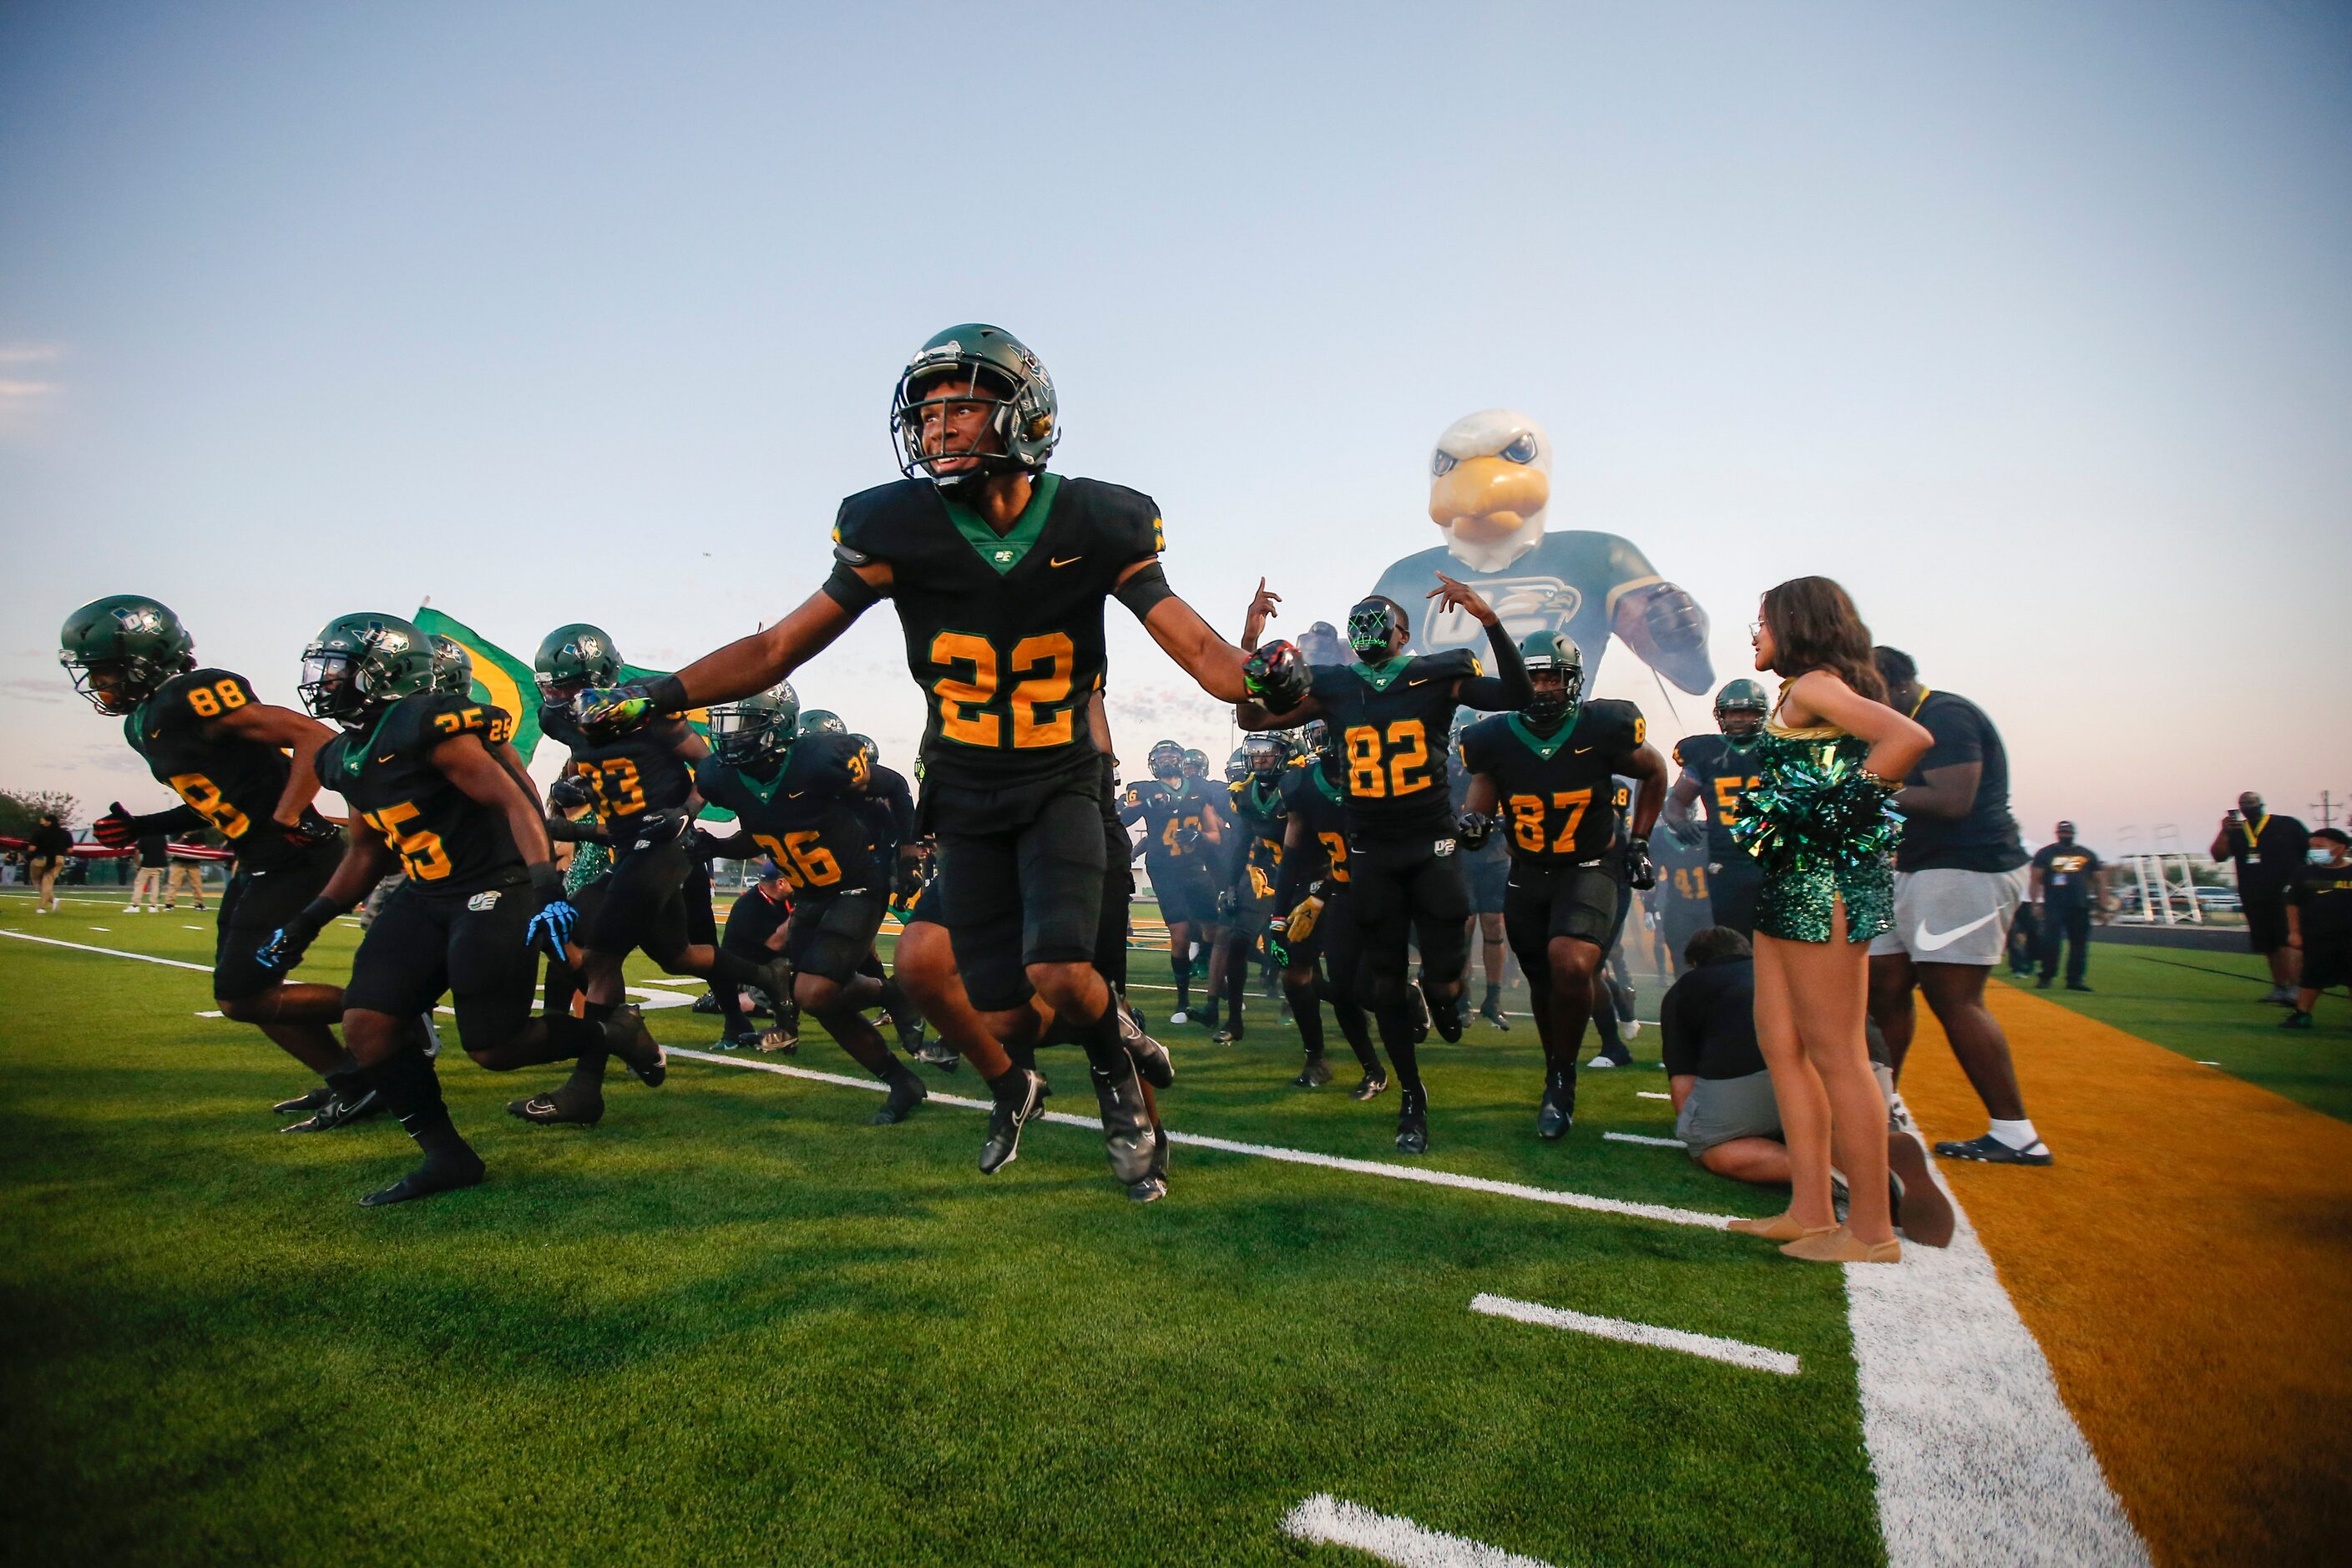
(1974, 1455)
(1735, 1352)
(1326, 1520)
(1644, 1139)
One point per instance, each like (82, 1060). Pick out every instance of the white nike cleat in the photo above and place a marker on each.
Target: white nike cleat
(1180, 1016)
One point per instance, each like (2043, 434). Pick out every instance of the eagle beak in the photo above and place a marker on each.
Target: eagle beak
(1483, 499)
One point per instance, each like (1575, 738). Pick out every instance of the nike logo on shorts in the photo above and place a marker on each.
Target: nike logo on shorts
(1934, 940)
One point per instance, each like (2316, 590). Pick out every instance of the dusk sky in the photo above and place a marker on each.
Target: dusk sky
(2030, 323)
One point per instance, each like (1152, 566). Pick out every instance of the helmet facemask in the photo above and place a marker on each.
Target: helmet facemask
(1552, 702)
(1167, 762)
(742, 734)
(1376, 630)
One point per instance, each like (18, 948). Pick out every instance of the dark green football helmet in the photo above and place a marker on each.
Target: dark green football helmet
(975, 362)
(823, 721)
(453, 667)
(1740, 708)
(572, 656)
(120, 649)
(759, 729)
(1546, 653)
(361, 663)
(1237, 766)
(1196, 762)
(1166, 761)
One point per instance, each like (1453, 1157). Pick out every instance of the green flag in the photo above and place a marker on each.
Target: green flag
(499, 678)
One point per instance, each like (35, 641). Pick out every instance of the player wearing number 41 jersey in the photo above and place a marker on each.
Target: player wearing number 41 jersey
(242, 767)
(1392, 714)
(1549, 774)
(435, 778)
(998, 571)
(1715, 770)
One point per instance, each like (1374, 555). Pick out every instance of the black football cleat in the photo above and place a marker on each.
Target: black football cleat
(738, 1040)
(1015, 1104)
(340, 1111)
(1491, 1010)
(1992, 1150)
(573, 1105)
(443, 1173)
(784, 1037)
(1556, 1114)
(1151, 1058)
(626, 1036)
(935, 1054)
(1314, 1075)
(1228, 1035)
(907, 1092)
(1129, 1137)
(1412, 1122)
(303, 1104)
(1374, 1085)
(2299, 1019)
(1150, 1190)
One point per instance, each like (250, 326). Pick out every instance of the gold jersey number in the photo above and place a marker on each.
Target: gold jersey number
(210, 805)
(1385, 766)
(220, 697)
(804, 862)
(1039, 702)
(420, 851)
(1529, 818)
(619, 789)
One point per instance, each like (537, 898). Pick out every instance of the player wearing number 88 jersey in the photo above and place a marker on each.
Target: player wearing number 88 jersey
(1549, 774)
(242, 767)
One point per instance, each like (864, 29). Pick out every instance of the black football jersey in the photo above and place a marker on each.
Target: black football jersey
(233, 782)
(627, 774)
(1560, 798)
(889, 809)
(447, 842)
(1395, 723)
(811, 817)
(1682, 874)
(1169, 815)
(1723, 770)
(1264, 816)
(1004, 634)
(1312, 798)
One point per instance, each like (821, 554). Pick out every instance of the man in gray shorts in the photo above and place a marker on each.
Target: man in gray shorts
(1724, 1110)
(1960, 877)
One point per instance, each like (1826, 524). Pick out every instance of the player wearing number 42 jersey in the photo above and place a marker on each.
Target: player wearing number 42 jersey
(240, 766)
(1392, 714)
(1549, 772)
(434, 776)
(998, 571)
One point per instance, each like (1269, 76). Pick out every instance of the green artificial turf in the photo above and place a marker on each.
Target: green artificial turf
(734, 1323)
(2209, 1008)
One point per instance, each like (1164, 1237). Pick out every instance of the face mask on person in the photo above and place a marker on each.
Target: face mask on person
(2320, 857)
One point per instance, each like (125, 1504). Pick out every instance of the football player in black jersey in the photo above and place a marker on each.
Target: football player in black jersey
(657, 896)
(1714, 770)
(1182, 836)
(433, 773)
(1255, 806)
(1549, 771)
(1313, 920)
(1393, 714)
(242, 766)
(998, 571)
(801, 796)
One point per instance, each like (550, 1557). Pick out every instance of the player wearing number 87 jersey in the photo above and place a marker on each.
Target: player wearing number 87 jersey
(1391, 714)
(435, 779)
(1550, 773)
(242, 767)
(998, 571)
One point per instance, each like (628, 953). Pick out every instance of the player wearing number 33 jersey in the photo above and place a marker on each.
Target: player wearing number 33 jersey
(999, 569)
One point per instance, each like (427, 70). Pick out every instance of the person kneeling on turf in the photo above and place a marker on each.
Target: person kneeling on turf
(1725, 1113)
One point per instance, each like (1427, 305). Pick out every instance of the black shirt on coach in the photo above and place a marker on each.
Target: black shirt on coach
(2066, 873)
(1985, 838)
(2270, 854)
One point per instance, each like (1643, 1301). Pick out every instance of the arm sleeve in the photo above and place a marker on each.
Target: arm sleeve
(902, 801)
(1144, 591)
(181, 818)
(1507, 689)
(1678, 1050)
(850, 591)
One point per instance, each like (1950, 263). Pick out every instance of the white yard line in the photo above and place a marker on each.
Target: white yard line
(110, 951)
(1326, 1520)
(1422, 1174)
(1738, 1352)
(1650, 1094)
(1638, 1138)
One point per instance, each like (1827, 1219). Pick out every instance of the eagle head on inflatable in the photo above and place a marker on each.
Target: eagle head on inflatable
(1489, 481)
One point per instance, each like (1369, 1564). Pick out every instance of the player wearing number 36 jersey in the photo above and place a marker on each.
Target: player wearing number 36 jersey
(998, 571)
(242, 767)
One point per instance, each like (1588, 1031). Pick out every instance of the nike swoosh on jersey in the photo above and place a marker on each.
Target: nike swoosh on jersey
(796, 795)
(1066, 562)
(387, 759)
(1934, 940)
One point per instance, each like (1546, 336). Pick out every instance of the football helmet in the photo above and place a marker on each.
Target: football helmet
(1740, 708)
(1196, 762)
(574, 657)
(1376, 628)
(757, 729)
(1543, 653)
(823, 721)
(1266, 754)
(975, 362)
(1166, 762)
(361, 663)
(453, 667)
(1237, 766)
(120, 649)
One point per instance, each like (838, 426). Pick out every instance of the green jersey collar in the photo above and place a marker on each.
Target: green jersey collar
(356, 752)
(764, 793)
(1541, 746)
(1004, 550)
(1379, 675)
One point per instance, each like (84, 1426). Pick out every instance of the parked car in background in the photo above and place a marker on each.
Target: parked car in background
(2218, 901)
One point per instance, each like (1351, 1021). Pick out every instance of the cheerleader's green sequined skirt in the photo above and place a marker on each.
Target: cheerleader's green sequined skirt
(1797, 904)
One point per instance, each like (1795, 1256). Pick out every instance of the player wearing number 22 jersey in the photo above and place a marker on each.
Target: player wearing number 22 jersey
(205, 736)
(998, 571)
(1549, 774)
(1391, 714)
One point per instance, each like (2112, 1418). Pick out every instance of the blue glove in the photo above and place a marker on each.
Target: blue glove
(290, 941)
(551, 930)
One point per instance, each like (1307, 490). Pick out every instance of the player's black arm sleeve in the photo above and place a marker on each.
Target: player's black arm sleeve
(1508, 689)
(181, 819)
(901, 802)
(1290, 887)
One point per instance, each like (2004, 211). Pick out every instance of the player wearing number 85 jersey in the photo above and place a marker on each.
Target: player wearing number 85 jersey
(1549, 772)
(1392, 714)
(242, 767)
(998, 571)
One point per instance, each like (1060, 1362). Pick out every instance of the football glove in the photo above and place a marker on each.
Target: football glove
(569, 793)
(1188, 839)
(604, 711)
(1226, 902)
(910, 878)
(1639, 870)
(1299, 924)
(1472, 830)
(1689, 834)
(308, 829)
(1275, 950)
(290, 941)
(116, 829)
(1276, 677)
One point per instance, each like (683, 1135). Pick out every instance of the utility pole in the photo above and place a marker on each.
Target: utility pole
(2325, 809)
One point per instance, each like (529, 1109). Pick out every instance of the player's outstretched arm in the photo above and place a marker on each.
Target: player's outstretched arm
(297, 734)
(1507, 689)
(1194, 644)
(751, 665)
